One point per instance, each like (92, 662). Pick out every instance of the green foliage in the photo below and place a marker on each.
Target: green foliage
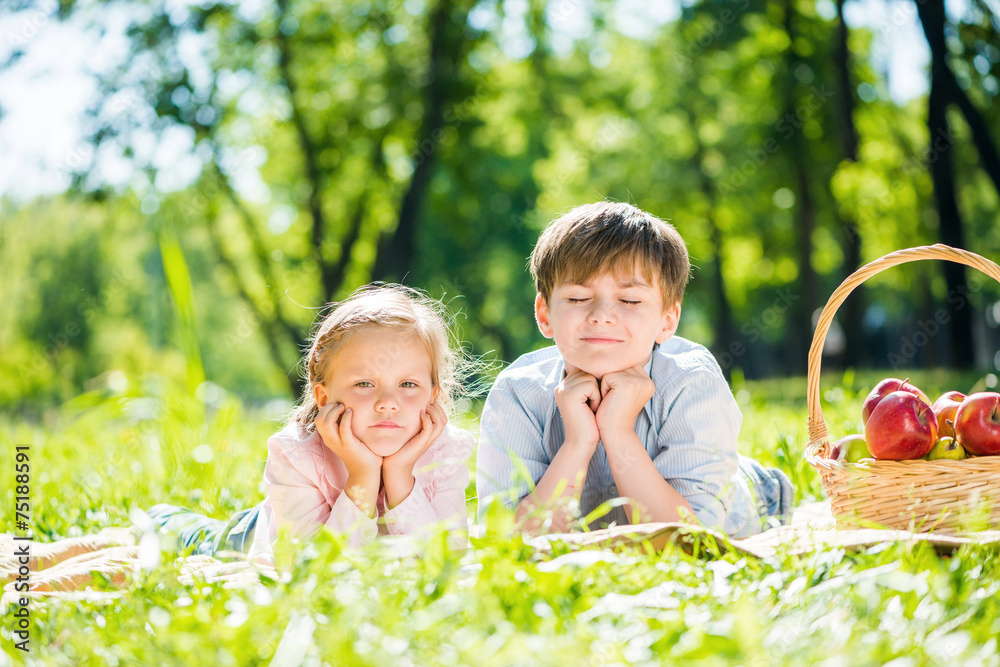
(315, 124)
(311, 126)
(324, 114)
(175, 269)
(501, 603)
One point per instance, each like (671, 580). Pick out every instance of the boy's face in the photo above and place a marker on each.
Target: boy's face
(607, 324)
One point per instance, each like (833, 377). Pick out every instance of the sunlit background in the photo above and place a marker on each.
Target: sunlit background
(185, 184)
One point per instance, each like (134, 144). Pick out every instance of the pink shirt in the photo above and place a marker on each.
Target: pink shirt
(304, 483)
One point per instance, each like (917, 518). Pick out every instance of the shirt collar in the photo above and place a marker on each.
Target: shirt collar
(649, 371)
(558, 370)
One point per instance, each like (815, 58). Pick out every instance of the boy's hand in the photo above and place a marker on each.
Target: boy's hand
(432, 422)
(578, 398)
(334, 425)
(623, 394)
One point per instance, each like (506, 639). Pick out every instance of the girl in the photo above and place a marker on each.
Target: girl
(369, 449)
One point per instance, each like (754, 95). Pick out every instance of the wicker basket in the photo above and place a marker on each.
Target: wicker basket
(944, 496)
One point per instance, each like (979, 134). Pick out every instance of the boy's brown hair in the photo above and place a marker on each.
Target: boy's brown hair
(609, 236)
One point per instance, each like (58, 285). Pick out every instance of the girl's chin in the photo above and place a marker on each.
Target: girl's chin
(384, 449)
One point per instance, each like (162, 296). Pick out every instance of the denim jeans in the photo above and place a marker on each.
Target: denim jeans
(771, 488)
(205, 535)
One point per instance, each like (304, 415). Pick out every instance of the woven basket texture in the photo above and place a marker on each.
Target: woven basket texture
(944, 495)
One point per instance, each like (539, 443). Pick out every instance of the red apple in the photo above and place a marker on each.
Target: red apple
(901, 427)
(944, 410)
(977, 423)
(883, 389)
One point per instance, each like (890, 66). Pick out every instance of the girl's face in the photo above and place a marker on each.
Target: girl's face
(384, 377)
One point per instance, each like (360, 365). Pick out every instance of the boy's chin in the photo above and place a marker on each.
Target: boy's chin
(598, 370)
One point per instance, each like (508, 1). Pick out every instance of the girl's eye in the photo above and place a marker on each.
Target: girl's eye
(408, 384)
(363, 383)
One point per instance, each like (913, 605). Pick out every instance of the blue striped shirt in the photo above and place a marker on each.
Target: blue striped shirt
(689, 427)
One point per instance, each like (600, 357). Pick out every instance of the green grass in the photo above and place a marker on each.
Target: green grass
(501, 603)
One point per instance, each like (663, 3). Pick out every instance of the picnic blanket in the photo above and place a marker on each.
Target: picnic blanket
(67, 569)
(812, 528)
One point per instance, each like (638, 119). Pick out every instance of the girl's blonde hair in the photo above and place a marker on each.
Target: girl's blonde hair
(390, 306)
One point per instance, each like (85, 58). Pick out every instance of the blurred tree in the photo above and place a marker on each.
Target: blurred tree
(853, 308)
(324, 145)
(445, 85)
(776, 193)
(945, 91)
(803, 169)
(348, 101)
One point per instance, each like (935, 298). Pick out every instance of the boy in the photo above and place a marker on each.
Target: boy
(619, 407)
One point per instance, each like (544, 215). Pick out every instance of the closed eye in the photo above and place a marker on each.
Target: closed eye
(630, 303)
(575, 300)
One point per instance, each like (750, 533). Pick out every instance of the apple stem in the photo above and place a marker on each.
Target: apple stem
(950, 423)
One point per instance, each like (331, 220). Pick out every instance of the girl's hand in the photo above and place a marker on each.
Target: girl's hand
(364, 467)
(397, 469)
(334, 425)
(432, 423)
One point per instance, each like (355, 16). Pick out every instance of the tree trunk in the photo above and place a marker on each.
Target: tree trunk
(932, 19)
(396, 250)
(949, 226)
(853, 309)
(725, 334)
(981, 139)
(313, 172)
(960, 342)
(271, 323)
(805, 216)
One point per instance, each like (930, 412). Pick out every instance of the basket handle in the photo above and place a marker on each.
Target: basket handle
(817, 427)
